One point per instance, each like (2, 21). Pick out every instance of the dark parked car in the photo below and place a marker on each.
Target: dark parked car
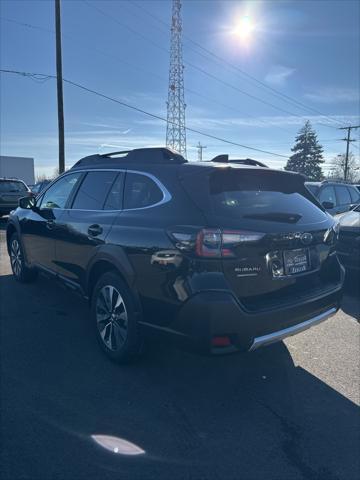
(349, 239)
(11, 190)
(335, 197)
(218, 257)
(39, 186)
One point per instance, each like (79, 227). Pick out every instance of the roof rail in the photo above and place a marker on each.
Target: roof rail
(114, 154)
(245, 161)
(340, 181)
(155, 155)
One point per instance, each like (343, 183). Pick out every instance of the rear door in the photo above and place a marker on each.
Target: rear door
(87, 222)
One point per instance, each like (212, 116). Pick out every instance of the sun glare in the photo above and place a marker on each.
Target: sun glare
(244, 28)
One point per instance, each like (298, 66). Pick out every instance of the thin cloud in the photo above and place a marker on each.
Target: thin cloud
(333, 95)
(206, 124)
(278, 75)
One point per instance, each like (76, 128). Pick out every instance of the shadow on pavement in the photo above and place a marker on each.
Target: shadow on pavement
(252, 416)
(351, 300)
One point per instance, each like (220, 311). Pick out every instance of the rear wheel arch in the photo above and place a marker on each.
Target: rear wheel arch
(105, 265)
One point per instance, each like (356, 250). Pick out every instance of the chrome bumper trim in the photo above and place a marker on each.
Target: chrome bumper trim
(287, 332)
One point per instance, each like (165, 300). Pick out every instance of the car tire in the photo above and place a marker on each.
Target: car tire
(115, 319)
(21, 272)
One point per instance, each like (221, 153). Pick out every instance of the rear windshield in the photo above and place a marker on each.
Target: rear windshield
(270, 197)
(9, 186)
(255, 195)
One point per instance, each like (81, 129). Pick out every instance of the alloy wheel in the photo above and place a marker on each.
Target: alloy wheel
(15, 256)
(111, 317)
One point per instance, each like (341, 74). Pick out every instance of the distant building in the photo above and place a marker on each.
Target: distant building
(18, 167)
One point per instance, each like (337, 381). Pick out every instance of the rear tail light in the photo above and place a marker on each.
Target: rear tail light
(221, 341)
(208, 243)
(213, 243)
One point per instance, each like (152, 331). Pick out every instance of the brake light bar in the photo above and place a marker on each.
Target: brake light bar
(214, 242)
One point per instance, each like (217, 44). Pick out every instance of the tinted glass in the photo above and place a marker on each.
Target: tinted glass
(140, 191)
(58, 194)
(327, 194)
(12, 187)
(343, 195)
(355, 195)
(313, 189)
(36, 188)
(261, 197)
(93, 191)
(39, 187)
(114, 198)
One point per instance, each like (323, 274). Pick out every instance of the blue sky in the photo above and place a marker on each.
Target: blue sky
(308, 50)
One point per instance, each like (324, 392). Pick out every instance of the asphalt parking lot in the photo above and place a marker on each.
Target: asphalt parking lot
(289, 411)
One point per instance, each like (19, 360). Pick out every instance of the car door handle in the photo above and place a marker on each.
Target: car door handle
(95, 230)
(50, 224)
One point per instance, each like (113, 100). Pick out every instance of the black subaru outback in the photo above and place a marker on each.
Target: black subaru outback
(221, 257)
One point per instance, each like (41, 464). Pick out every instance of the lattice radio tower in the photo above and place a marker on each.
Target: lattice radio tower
(175, 130)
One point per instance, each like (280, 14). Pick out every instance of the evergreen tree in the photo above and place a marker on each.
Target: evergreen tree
(307, 157)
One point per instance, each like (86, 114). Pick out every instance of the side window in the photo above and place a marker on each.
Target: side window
(20, 187)
(115, 197)
(93, 191)
(343, 195)
(327, 194)
(355, 195)
(57, 195)
(140, 191)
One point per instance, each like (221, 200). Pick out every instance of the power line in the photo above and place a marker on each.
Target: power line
(140, 110)
(195, 67)
(217, 58)
(147, 72)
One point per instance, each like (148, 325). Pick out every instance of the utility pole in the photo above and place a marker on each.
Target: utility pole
(200, 149)
(348, 140)
(176, 130)
(59, 81)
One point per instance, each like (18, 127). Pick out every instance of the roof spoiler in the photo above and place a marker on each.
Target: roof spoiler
(245, 161)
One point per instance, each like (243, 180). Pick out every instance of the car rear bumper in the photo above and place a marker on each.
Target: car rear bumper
(288, 332)
(212, 314)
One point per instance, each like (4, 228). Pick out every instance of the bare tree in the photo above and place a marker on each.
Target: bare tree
(337, 171)
(40, 177)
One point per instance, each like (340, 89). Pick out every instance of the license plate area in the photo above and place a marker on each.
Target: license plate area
(296, 261)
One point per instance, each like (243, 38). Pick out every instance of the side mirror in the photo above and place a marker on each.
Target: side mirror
(27, 202)
(328, 205)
